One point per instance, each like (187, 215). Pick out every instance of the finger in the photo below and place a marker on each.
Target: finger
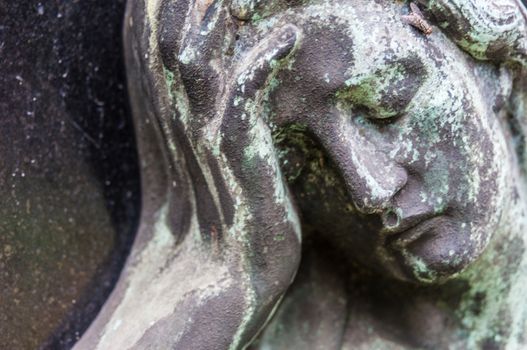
(247, 143)
(200, 66)
(267, 228)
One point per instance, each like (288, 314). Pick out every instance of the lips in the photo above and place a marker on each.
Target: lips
(410, 234)
(415, 240)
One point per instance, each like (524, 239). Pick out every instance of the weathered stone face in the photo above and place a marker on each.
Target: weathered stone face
(275, 130)
(411, 126)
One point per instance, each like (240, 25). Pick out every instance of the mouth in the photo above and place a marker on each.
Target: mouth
(402, 238)
(397, 242)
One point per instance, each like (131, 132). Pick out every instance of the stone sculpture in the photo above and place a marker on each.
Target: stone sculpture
(323, 175)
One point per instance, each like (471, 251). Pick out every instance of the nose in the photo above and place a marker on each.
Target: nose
(373, 181)
(371, 175)
(407, 210)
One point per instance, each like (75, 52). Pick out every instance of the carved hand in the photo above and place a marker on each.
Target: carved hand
(255, 230)
(225, 244)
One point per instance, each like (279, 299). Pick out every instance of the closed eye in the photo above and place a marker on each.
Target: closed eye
(387, 91)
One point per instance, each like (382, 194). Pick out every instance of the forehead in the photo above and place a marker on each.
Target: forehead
(347, 42)
(372, 33)
(376, 30)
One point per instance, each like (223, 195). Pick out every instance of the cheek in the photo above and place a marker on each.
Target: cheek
(494, 176)
(482, 181)
(488, 164)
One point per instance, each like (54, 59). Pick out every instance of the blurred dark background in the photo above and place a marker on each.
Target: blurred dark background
(69, 181)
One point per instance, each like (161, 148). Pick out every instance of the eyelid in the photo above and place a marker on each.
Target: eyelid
(373, 116)
(386, 92)
(371, 102)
